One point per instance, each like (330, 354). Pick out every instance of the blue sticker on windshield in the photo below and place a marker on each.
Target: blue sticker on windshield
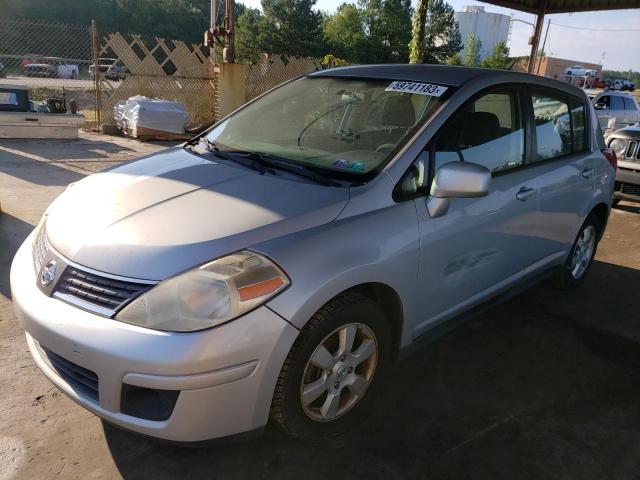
(349, 165)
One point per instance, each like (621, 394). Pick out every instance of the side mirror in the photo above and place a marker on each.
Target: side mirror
(457, 180)
(600, 106)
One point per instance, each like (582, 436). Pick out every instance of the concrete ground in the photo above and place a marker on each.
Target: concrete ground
(545, 386)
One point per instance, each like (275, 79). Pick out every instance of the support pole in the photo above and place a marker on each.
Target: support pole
(229, 53)
(96, 72)
(536, 35)
(544, 43)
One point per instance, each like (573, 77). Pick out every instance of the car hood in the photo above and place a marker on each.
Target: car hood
(161, 215)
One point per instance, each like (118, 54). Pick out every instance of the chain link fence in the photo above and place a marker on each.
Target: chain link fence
(99, 69)
(52, 59)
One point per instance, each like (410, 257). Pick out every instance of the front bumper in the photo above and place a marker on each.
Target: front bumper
(225, 376)
(627, 182)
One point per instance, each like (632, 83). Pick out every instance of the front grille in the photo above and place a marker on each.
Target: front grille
(40, 247)
(96, 290)
(630, 189)
(631, 150)
(80, 379)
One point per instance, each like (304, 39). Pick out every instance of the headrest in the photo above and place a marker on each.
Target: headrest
(479, 128)
(398, 111)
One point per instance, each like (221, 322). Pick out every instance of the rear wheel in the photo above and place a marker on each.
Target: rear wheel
(582, 253)
(327, 382)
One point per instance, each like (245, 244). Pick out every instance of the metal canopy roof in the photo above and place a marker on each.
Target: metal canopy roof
(547, 7)
(564, 6)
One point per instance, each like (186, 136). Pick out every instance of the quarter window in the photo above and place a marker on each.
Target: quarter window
(577, 128)
(629, 104)
(487, 131)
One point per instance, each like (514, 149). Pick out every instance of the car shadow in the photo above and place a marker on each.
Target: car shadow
(64, 150)
(629, 207)
(13, 231)
(542, 386)
(36, 171)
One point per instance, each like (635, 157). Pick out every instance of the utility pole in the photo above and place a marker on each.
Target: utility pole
(229, 52)
(225, 36)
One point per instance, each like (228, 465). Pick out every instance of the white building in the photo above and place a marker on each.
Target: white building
(489, 28)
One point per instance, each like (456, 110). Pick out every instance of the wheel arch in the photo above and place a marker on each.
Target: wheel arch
(601, 211)
(390, 303)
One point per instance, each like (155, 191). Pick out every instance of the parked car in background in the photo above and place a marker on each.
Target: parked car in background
(576, 70)
(626, 143)
(42, 70)
(3, 71)
(621, 106)
(29, 59)
(333, 225)
(65, 69)
(110, 68)
(620, 84)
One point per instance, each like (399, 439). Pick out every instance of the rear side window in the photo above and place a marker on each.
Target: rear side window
(629, 104)
(559, 123)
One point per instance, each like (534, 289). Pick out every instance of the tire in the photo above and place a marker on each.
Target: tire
(74, 75)
(569, 72)
(322, 416)
(583, 251)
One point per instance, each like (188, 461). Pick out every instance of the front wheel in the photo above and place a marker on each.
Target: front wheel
(327, 382)
(582, 254)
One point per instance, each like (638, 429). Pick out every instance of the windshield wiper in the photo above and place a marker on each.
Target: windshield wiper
(276, 163)
(262, 162)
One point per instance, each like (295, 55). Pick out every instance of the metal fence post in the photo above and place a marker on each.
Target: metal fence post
(96, 71)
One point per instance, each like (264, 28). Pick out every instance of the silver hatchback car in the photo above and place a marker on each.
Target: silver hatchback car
(271, 268)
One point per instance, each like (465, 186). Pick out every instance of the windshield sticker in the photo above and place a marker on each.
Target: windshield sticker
(349, 165)
(415, 87)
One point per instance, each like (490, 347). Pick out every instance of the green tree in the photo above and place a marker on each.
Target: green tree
(455, 59)
(345, 35)
(417, 43)
(499, 58)
(292, 28)
(472, 51)
(387, 24)
(248, 26)
(442, 36)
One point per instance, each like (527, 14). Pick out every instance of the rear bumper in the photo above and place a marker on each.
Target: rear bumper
(225, 376)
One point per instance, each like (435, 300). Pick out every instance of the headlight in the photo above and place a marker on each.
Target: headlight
(209, 295)
(619, 146)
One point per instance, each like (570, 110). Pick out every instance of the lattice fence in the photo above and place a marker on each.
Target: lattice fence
(156, 67)
(271, 71)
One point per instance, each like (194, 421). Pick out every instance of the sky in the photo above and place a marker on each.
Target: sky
(594, 37)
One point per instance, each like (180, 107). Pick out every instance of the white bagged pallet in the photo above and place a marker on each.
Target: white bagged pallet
(151, 113)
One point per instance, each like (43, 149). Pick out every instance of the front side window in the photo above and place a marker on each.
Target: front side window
(342, 126)
(487, 131)
(617, 103)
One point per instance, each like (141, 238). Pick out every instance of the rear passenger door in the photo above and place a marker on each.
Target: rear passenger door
(566, 169)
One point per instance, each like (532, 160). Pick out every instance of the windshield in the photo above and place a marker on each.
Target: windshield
(345, 127)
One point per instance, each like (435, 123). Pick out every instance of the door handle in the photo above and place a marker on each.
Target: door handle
(587, 172)
(524, 193)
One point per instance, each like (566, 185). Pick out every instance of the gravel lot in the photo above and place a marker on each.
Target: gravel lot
(545, 386)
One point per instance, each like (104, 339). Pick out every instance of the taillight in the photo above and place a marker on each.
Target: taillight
(610, 155)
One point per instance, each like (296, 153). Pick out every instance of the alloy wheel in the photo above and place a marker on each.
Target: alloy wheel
(339, 372)
(583, 251)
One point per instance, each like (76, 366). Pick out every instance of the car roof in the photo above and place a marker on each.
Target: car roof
(451, 75)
